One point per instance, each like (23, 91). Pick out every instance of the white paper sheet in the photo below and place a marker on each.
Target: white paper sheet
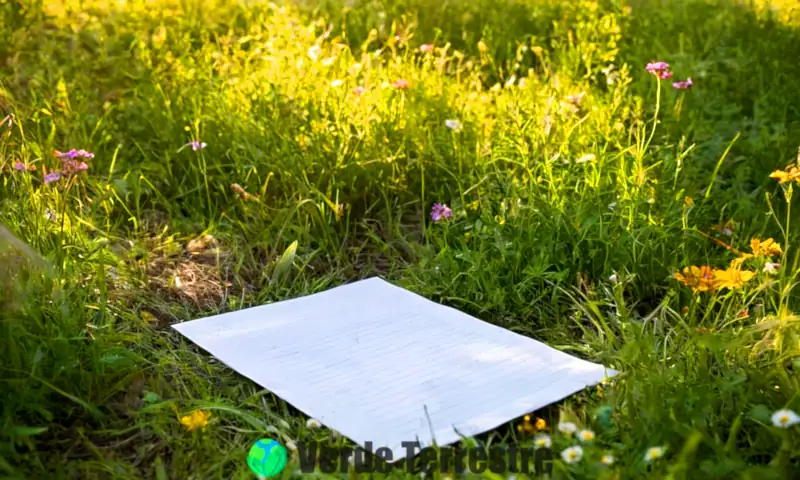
(379, 363)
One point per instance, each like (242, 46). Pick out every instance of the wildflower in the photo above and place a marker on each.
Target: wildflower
(791, 174)
(683, 85)
(567, 427)
(770, 267)
(724, 228)
(197, 145)
(482, 47)
(428, 47)
(73, 154)
(19, 166)
(453, 125)
(659, 69)
(359, 90)
(586, 435)
(688, 201)
(313, 52)
(576, 98)
(336, 83)
(72, 166)
(313, 423)
(440, 211)
(52, 177)
(198, 419)
(732, 278)
(613, 278)
(607, 459)
(589, 157)
(767, 248)
(540, 424)
(542, 441)
(653, 453)
(700, 279)
(401, 84)
(572, 454)
(785, 418)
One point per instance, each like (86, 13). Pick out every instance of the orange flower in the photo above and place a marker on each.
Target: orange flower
(791, 174)
(732, 278)
(701, 279)
(767, 248)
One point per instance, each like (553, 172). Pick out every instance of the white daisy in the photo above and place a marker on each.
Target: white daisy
(567, 427)
(572, 454)
(770, 267)
(785, 418)
(607, 459)
(653, 453)
(542, 441)
(586, 435)
(313, 423)
(453, 125)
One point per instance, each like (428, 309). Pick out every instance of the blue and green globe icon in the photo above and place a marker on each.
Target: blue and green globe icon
(267, 458)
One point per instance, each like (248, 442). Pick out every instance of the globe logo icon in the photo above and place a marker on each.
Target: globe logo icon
(267, 458)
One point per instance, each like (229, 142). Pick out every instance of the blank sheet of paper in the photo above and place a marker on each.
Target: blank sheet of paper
(379, 363)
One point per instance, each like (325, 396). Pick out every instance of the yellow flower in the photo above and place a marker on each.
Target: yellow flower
(527, 418)
(732, 278)
(688, 200)
(791, 173)
(541, 424)
(482, 47)
(586, 435)
(767, 248)
(196, 419)
(700, 279)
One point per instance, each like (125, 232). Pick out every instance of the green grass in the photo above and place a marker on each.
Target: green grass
(92, 379)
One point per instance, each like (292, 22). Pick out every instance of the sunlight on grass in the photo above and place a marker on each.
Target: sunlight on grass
(614, 178)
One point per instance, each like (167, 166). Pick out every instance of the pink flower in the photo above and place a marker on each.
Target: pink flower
(657, 67)
(684, 84)
(401, 84)
(665, 75)
(19, 166)
(359, 90)
(52, 177)
(440, 211)
(428, 47)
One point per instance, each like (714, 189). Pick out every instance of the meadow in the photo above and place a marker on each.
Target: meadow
(525, 161)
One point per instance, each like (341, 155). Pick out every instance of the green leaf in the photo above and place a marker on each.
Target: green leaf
(286, 261)
(28, 431)
(161, 472)
(151, 397)
(760, 413)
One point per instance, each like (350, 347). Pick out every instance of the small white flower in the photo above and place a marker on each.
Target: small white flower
(511, 80)
(785, 418)
(589, 157)
(542, 441)
(653, 453)
(313, 423)
(770, 267)
(336, 83)
(613, 278)
(586, 435)
(453, 125)
(313, 52)
(567, 427)
(607, 459)
(572, 454)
